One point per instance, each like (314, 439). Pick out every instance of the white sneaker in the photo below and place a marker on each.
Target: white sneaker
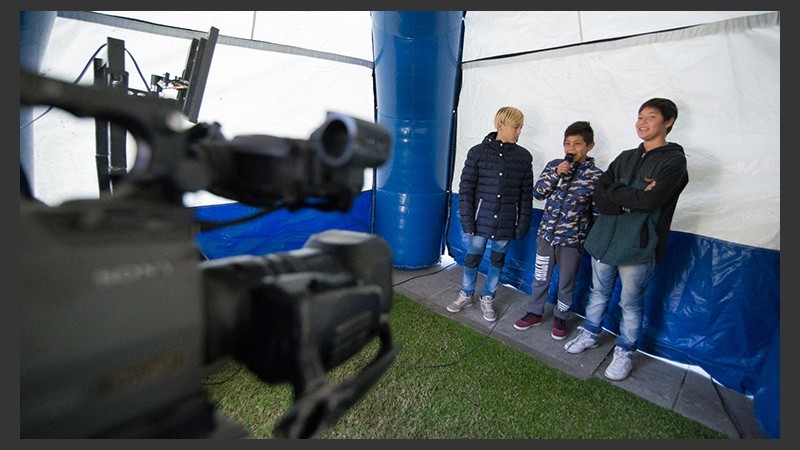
(460, 303)
(488, 310)
(621, 365)
(582, 341)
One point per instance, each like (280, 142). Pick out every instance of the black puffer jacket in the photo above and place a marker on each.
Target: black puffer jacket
(495, 195)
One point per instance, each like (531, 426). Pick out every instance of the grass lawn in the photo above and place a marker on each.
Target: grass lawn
(451, 382)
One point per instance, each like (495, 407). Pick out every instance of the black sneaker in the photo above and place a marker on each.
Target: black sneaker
(529, 320)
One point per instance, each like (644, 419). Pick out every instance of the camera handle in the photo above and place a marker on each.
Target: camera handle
(317, 410)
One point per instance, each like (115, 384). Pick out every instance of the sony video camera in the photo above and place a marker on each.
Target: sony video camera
(122, 320)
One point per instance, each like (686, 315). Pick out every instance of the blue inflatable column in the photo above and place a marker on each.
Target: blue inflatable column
(417, 58)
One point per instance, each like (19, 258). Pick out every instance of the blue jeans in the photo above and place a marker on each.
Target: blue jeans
(476, 246)
(634, 279)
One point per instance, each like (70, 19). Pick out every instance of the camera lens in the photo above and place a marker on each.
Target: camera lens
(334, 142)
(345, 140)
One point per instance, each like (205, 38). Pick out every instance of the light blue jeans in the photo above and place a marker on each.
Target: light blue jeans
(634, 279)
(476, 246)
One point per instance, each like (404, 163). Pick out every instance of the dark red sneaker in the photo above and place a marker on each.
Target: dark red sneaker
(559, 329)
(529, 320)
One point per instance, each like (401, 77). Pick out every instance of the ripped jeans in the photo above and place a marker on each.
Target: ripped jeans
(476, 246)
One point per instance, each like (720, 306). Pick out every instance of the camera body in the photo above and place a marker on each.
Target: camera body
(113, 325)
(122, 319)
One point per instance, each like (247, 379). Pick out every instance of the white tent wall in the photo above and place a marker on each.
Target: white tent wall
(258, 83)
(341, 32)
(723, 75)
(542, 30)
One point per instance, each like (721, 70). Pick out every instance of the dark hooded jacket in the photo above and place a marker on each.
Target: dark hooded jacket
(633, 224)
(495, 195)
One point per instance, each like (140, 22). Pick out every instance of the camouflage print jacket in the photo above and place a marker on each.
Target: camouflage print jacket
(569, 210)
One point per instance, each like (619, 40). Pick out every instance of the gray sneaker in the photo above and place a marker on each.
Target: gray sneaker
(582, 341)
(488, 310)
(461, 302)
(620, 365)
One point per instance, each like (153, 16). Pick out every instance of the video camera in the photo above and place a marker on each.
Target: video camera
(122, 320)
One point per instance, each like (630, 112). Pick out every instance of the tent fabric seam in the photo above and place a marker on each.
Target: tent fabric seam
(721, 27)
(164, 30)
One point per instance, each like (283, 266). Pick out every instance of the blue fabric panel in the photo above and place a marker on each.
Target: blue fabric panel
(278, 231)
(714, 304)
